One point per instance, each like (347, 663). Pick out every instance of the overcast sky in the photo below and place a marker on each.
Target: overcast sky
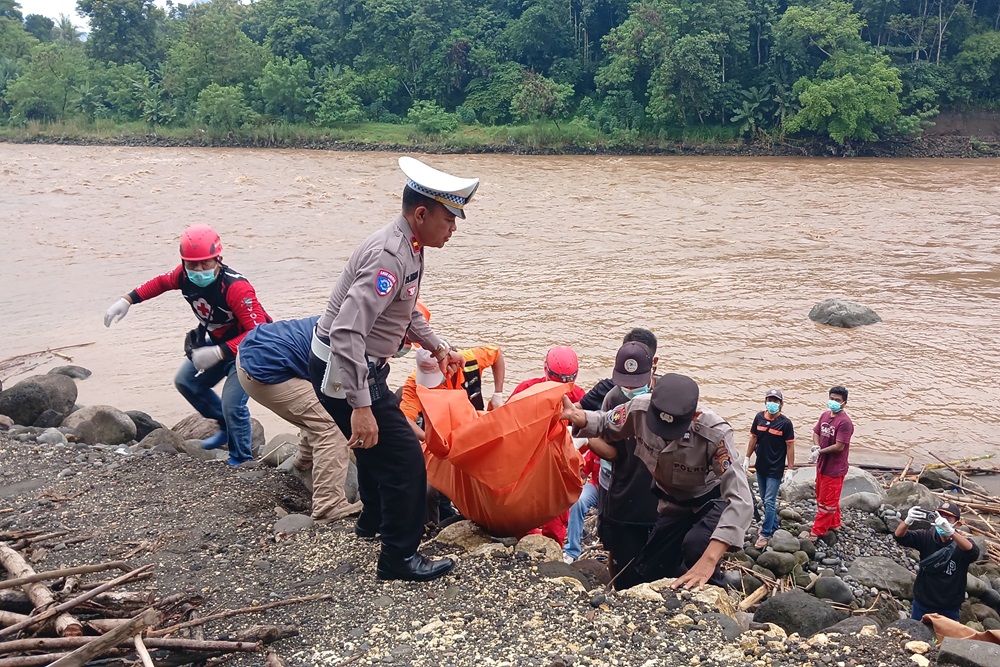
(53, 8)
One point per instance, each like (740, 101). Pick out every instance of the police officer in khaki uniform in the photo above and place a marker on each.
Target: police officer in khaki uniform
(705, 504)
(372, 307)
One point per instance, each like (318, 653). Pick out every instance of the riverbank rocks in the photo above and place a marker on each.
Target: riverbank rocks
(144, 424)
(904, 495)
(466, 534)
(778, 562)
(111, 426)
(196, 427)
(833, 589)
(71, 371)
(709, 595)
(802, 486)
(24, 403)
(61, 390)
(866, 502)
(163, 440)
(539, 547)
(968, 653)
(279, 449)
(784, 541)
(797, 611)
(844, 314)
(884, 574)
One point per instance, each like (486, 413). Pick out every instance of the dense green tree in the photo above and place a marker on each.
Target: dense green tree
(285, 88)
(540, 98)
(223, 107)
(124, 31)
(66, 31)
(39, 26)
(978, 65)
(46, 89)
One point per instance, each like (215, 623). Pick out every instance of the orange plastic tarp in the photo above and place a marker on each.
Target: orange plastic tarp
(509, 470)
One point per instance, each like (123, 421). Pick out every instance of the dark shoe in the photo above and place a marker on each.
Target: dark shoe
(414, 568)
(365, 533)
(217, 441)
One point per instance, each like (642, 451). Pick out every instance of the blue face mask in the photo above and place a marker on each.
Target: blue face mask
(772, 407)
(201, 278)
(632, 393)
(834, 406)
(940, 531)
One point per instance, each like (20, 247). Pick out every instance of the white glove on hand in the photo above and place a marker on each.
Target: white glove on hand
(787, 476)
(117, 311)
(915, 514)
(746, 466)
(496, 400)
(814, 454)
(944, 525)
(204, 358)
(579, 443)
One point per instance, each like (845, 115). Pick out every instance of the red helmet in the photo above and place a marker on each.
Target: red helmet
(561, 364)
(200, 242)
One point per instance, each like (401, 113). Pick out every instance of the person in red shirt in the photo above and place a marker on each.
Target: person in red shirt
(227, 308)
(830, 452)
(561, 365)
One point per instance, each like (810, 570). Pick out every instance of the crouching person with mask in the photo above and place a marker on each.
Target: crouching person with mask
(705, 504)
(945, 557)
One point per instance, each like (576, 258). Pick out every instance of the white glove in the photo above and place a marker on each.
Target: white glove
(814, 454)
(915, 514)
(117, 311)
(944, 525)
(746, 466)
(579, 443)
(787, 476)
(204, 358)
(496, 400)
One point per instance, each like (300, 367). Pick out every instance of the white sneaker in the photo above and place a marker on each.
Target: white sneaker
(568, 559)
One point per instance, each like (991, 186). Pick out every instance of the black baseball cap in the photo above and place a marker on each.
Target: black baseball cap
(775, 393)
(633, 366)
(672, 406)
(950, 508)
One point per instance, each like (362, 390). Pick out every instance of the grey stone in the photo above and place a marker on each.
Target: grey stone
(111, 425)
(24, 403)
(859, 480)
(780, 563)
(991, 624)
(49, 419)
(594, 570)
(75, 372)
(866, 502)
(733, 579)
(975, 586)
(884, 574)
(467, 535)
(730, 628)
(61, 390)
(801, 486)
(52, 436)
(193, 449)
(844, 314)
(990, 597)
(834, 589)
(913, 629)
(144, 424)
(968, 653)
(797, 611)
(196, 427)
(851, 626)
(904, 495)
(292, 523)
(750, 584)
(808, 547)
(351, 491)
(788, 514)
(163, 439)
(784, 541)
(982, 612)
(938, 478)
(281, 448)
(760, 569)
(559, 569)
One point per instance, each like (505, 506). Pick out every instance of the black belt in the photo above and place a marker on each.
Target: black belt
(711, 495)
(378, 361)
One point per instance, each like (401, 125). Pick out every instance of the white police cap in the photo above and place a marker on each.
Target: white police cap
(452, 191)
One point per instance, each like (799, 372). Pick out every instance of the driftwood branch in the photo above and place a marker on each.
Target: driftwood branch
(58, 574)
(41, 596)
(70, 604)
(141, 651)
(91, 650)
(54, 644)
(237, 612)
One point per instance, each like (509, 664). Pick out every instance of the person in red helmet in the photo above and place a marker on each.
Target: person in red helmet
(561, 365)
(227, 308)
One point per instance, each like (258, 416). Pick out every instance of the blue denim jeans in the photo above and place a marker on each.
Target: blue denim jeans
(231, 411)
(919, 610)
(588, 499)
(769, 487)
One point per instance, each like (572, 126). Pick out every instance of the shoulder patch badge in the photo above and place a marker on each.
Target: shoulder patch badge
(722, 458)
(385, 281)
(618, 415)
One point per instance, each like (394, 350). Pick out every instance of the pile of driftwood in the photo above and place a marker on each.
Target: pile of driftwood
(58, 619)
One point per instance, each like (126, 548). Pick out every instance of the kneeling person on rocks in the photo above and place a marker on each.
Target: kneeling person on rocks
(227, 308)
(945, 556)
(273, 368)
(705, 504)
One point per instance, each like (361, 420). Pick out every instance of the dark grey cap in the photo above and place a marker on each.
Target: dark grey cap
(775, 393)
(672, 406)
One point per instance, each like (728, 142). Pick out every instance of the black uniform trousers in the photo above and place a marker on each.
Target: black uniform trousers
(624, 543)
(678, 540)
(392, 475)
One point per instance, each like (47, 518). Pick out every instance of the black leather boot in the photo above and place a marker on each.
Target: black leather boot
(414, 568)
(367, 534)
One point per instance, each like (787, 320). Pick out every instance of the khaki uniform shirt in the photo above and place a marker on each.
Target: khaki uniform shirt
(373, 305)
(687, 468)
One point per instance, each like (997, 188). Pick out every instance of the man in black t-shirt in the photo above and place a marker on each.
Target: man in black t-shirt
(773, 438)
(945, 556)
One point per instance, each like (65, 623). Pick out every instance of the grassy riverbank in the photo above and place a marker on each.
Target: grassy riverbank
(537, 139)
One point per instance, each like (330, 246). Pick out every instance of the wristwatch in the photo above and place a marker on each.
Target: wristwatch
(441, 351)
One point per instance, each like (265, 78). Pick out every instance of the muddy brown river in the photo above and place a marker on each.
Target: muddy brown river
(722, 257)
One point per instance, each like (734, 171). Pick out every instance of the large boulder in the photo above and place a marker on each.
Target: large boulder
(784, 541)
(75, 372)
(968, 653)
(281, 448)
(844, 314)
(884, 574)
(24, 403)
(833, 589)
(111, 425)
(144, 424)
(779, 562)
(861, 481)
(797, 611)
(163, 440)
(801, 485)
(913, 629)
(61, 389)
(464, 534)
(49, 419)
(539, 547)
(196, 427)
(938, 478)
(851, 626)
(904, 495)
(866, 502)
